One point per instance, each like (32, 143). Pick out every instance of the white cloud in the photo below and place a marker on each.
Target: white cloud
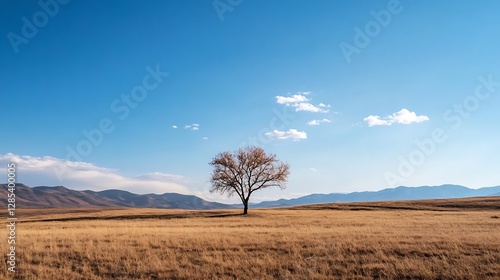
(174, 126)
(312, 169)
(193, 126)
(290, 134)
(51, 171)
(318, 122)
(162, 177)
(301, 103)
(404, 116)
(205, 138)
(373, 120)
(308, 107)
(297, 98)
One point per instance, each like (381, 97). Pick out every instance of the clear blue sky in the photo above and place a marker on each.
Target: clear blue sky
(231, 68)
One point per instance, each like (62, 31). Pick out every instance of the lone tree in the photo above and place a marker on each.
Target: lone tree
(246, 171)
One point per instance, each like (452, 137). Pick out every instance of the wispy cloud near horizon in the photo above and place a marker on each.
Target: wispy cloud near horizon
(39, 171)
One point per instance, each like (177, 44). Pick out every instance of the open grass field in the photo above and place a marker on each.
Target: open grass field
(441, 239)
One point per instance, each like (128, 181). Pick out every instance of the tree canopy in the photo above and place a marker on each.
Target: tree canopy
(245, 171)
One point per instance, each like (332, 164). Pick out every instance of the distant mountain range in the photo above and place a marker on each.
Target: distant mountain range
(399, 193)
(41, 197)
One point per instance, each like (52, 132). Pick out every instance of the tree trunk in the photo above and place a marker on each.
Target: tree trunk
(245, 209)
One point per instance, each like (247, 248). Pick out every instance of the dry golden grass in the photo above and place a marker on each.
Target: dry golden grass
(266, 244)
